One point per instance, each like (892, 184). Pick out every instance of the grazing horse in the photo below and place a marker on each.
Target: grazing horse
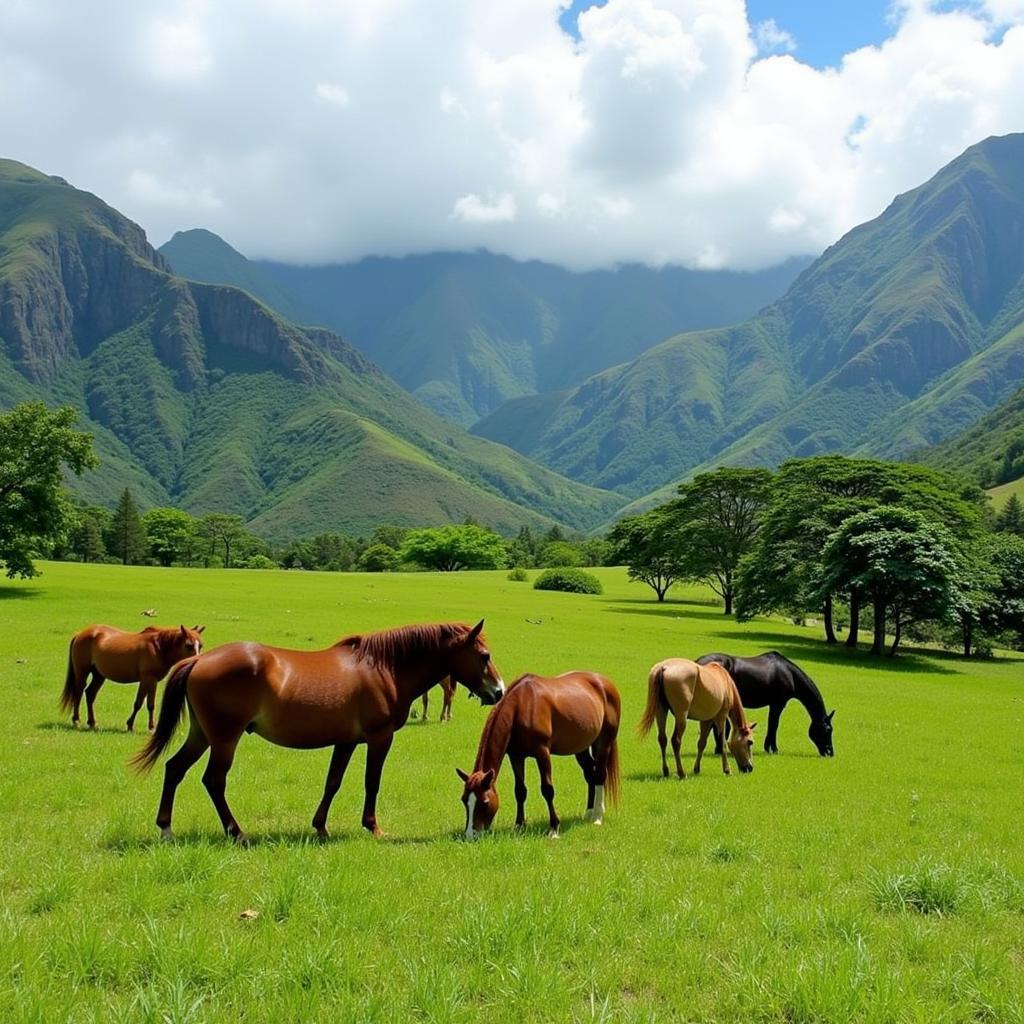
(109, 653)
(771, 680)
(448, 689)
(358, 691)
(575, 713)
(705, 693)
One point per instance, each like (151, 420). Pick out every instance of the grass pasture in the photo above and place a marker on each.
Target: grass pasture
(886, 884)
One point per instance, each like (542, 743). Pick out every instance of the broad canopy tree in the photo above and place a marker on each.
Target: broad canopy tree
(450, 548)
(36, 445)
(648, 545)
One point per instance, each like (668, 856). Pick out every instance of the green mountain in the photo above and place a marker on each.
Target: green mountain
(991, 451)
(467, 331)
(200, 395)
(902, 333)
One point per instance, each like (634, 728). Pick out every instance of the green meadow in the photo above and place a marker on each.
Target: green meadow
(886, 884)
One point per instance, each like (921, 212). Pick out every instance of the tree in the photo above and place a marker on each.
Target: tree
(171, 534)
(35, 446)
(1011, 518)
(900, 562)
(126, 537)
(378, 558)
(221, 530)
(86, 539)
(559, 553)
(648, 545)
(992, 603)
(718, 515)
(449, 548)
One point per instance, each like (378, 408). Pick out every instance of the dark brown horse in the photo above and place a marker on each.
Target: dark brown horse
(448, 691)
(705, 693)
(109, 653)
(358, 691)
(576, 713)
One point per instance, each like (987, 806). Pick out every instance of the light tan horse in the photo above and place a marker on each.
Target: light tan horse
(110, 653)
(705, 693)
(576, 713)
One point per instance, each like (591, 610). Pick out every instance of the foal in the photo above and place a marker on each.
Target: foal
(448, 691)
(109, 653)
(705, 693)
(575, 713)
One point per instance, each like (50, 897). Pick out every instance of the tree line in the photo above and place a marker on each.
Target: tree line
(895, 548)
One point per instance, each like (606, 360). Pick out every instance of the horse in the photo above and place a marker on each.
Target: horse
(358, 691)
(771, 680)
(448, 689)
(575, 713)
(110, 653)
(705, 693)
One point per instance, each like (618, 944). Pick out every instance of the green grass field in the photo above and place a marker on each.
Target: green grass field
(886, 884)
(1001, 495)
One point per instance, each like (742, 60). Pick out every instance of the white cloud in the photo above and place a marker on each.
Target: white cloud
(666, 133)
(772, 39)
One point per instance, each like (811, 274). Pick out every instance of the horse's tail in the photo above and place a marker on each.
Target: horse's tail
(67, 698)
(655, 699)
(172, 708)
(611, 780)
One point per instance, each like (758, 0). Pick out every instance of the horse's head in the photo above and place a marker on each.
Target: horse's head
(481, 800)
(820, 733)
(473, 667)
(187, 642)
(741, 746)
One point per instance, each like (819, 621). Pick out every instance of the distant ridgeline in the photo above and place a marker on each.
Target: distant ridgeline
(201, 397)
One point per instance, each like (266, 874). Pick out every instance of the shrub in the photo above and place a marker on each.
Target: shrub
(573, 581)
(558, 554)
(518, 575)
(259, 562)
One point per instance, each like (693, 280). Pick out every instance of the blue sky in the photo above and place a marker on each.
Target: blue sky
(823, 31)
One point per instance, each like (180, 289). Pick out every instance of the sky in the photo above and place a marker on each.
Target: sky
(707, 133)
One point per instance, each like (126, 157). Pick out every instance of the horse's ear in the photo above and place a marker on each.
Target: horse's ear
(830, 715)
(488, 779)
(462, 775)
(200, 629)
(753, 726)
(184, 631)
(474, 632)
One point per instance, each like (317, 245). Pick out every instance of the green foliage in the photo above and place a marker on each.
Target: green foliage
(35, 446)
(649, 545)
(172, 534)
(222, 534)
(450, 548)
(559, 553)
(86, 538)
(572, 581)
(1011, 517)
(378, 558)
(126, 536)
(518, 575)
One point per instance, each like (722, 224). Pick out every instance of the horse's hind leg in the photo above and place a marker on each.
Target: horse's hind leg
(222, 754)
(376, 754)
(662, 717)
(677, 743)
(90, 696)
(586, 762)
(174, 771)
(335, 773)
(146, 692)
(702, 742)
(449, 692)
(547, 788)
(771, 745)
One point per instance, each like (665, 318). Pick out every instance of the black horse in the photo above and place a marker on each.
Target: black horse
(771, 680)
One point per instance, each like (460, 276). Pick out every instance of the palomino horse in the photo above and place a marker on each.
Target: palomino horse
(358, 691)
(772, 680)
(705, 693)
(448, 690)
(109, 653)
(575, 713)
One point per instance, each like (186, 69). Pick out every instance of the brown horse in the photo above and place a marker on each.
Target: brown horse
(575, 713)
(705, 693)
(448, 690)
(358, 691)
(109, 653)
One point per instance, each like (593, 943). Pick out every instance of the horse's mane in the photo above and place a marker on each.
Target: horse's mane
(801, 676)
(502, 711)
(387, 646)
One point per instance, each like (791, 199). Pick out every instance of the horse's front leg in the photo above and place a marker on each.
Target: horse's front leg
(720, 725)
(335, 773)
(146, 692)
(519, 773)
(91, 692)
(547, 788)
(702, 742)
(771, 745)
(376, 754)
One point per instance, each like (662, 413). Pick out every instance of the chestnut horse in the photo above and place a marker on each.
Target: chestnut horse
(574, 713)
(448, 690)
(705, 693)
(358, 691)
(109, 653)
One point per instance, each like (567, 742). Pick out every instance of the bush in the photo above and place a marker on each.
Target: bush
(518, 575)
(558, 554)
(573, 581)
(259, 562)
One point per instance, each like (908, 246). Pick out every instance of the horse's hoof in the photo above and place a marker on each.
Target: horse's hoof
(321, 833)
(129, 728)
(166, 835)
(242, 839)
(553, 834)
(597, 821)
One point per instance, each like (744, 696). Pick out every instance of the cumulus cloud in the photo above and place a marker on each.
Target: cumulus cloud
(669, 131)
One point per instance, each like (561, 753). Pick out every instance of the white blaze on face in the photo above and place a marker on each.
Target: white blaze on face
(501, 685)
(470, 808)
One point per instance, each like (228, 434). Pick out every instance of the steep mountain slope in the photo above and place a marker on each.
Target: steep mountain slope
(991, 452)
(903, 332)
(200, 395)
(467, 331)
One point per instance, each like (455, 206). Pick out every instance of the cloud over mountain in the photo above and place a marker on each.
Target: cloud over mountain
(309, 130)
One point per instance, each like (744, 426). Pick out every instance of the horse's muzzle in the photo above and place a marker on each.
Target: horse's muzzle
(490, 697)
(746, 768)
